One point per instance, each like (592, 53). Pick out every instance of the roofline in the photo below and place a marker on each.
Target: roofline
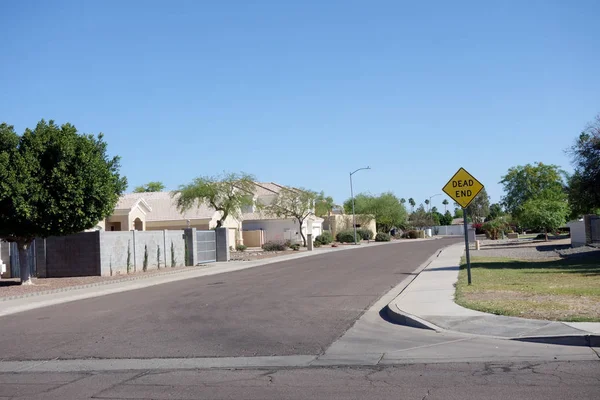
(267, 189)
(290, 188)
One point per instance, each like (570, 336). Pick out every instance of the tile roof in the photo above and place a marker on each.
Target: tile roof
(163, 207)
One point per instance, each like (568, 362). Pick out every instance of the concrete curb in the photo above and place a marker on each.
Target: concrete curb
(406, 319)
(587, 340)
(95, 284)
(400, 317)
(258, 263)
(29, 301)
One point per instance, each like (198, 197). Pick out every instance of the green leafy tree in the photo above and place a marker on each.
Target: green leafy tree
(543, 214)
(532, 182)
(227, 193)
(446, 219)
(324, 205)
(388, 211)
(495, 211)
(294, 203)
(53, 182)
(458, 212)
(445, 203)
(479, 208)
(420, 218)
(412, 203)
(584, 184)
(154, 186)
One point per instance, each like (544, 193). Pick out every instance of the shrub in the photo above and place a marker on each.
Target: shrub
(478, 228)
(241, 247)
(145, 263)
(295, 247)
(274, 246)
(412, 234)
(128, 256)
(382, 237)
(173, 260)
(541, 236)
(317, 243)
(287, 243)
(365, 234)
(324, 238)
(346, 236)
(494, 228)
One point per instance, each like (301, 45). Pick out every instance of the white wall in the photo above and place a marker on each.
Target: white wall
(449, 230)
(282, 229)
(577, 233)
(275, 229)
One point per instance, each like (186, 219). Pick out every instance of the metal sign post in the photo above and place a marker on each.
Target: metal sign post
(467, 246)
(463, 188)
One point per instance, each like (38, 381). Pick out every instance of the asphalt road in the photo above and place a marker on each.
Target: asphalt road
(293, 307)
(457, 381)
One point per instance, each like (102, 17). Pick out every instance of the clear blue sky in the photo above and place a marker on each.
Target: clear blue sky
(302, 92)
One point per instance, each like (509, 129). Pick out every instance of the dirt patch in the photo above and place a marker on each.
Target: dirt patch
(259, 255)
(522, 249)
(12, 287)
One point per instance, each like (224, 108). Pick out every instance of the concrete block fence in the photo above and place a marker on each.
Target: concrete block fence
(109, 253)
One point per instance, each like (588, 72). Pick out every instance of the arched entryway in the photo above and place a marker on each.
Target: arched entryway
(138, 225)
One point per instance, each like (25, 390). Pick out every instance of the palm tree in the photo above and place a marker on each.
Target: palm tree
(445, 203)
(402, 200)
(427, 203)
(412, 203)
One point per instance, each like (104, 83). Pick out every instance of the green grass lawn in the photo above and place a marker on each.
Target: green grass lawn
(562, 289)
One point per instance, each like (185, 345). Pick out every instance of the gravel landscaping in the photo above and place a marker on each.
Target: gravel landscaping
(530, 249)
(9, 288)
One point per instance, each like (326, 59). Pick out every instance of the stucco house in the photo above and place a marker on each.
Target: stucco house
(158, 211)
(273, 228)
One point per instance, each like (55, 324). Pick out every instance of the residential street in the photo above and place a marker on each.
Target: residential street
(276, 331)
(293, 307)
(493, 381)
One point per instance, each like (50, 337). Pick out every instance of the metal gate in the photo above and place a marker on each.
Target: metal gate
(15, 266)
(206, 242)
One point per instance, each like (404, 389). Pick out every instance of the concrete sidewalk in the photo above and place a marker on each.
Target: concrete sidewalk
(428, 302)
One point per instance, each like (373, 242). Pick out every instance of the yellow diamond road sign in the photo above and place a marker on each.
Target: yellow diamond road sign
(463, 188)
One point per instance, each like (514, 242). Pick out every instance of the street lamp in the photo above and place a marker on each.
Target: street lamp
(431, 197)
(352, 196)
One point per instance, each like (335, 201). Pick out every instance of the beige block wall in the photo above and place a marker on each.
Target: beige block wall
(337, 223)
(253, 238)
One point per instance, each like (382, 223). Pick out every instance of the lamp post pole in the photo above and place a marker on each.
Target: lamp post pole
(352, 196)
(431, 197)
